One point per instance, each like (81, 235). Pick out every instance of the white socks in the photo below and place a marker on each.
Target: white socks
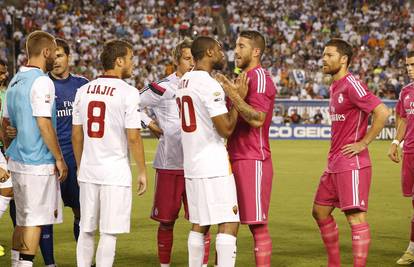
(105, 253)
(4, 204)
(165, 265)
(25, 264)
(85, 249)
(411, 247)
(15, 254)
(226, 250)
(195, 249)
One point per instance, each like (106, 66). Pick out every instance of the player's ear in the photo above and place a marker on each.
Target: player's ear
(46, 52)
(344, 59)
(209, 52)
(256, 52)
(119, 61)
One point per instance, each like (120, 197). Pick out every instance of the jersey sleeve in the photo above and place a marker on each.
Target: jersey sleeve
(133, 110)
(76, 112)
(261, 94)
(399, 108)
(214, 99)
(42, 97)
(152, 94)
(145, 119)
(360, 96)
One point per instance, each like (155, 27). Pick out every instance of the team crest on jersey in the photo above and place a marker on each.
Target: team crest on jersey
(407, 97)
(216, 93)
(340, 98)
(47, 98)
(235, 209)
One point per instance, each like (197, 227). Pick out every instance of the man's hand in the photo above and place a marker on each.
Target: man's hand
(4, 175)
(240, 87)
(155, 129)
(11, 132)
(393, 153)
(242, 83)
(62, 169)
(142, 183)
(351, 150)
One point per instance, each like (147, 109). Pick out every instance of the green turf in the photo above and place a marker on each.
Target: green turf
(296, 240)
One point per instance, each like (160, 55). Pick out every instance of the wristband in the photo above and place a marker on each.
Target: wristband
(395, 142)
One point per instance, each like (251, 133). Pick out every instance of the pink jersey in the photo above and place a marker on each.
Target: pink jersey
(247, 142)
(349, 108)
(406, 110)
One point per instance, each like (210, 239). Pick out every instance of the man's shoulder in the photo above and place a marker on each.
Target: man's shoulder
(79, 79)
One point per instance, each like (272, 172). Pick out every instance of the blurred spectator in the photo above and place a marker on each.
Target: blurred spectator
(277, 117)
(318, 117)
(295, 118)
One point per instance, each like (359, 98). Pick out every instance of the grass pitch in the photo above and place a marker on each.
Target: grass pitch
(296, 241)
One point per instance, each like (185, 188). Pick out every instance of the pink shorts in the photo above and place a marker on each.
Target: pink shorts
(168, 196)
(254, 186)
(345, 190)
(407, 175)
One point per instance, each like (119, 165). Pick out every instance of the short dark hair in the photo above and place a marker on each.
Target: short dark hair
(343, 48)
(178, 50)
(62, 43)
(200, 46)
(3, 63)
(257, 39)
(112, 50)
(410, 54)
(37, 41)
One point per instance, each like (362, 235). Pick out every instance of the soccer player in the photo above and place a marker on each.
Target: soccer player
(34, 153)
(209, 183)
(66, 85)
(346, 181)
(106, 121)
(248, 146)
(405, 131)
(168, 162)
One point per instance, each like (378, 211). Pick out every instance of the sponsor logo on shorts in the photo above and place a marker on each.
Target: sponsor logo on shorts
(362, 203)
(155, 211)
(55, 213)
(235, 209)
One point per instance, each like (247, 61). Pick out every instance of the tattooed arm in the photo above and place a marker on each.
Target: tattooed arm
(237, 92)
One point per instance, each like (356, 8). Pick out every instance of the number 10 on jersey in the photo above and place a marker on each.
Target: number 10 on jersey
(187, 113)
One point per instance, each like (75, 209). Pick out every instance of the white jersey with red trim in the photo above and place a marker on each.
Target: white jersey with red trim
(201, 98)
(160, 97)
(106, 107)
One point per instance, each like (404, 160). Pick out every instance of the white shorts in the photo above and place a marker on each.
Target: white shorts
(212, 200)
(7, 184)
(37, 198)
(108, 205)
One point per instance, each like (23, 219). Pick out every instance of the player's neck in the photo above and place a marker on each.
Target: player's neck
(204, 66)
(253, 64)
(115, 73)
(37, 62)
(340, 74)
(62, 76)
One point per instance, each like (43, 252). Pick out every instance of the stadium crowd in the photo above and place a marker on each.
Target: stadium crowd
(296, 32)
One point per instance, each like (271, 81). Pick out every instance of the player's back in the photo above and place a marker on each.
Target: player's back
(200, 98)
(102, 106)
